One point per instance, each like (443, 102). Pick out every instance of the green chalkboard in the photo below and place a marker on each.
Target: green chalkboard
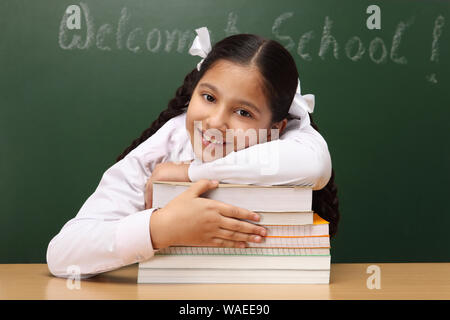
(72, 100)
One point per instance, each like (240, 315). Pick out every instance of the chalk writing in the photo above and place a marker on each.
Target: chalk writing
(109, 37)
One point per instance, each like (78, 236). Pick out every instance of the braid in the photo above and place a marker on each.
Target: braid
(325, 201)
(175, 107)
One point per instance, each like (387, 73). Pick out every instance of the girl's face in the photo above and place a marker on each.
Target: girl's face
(226, 111)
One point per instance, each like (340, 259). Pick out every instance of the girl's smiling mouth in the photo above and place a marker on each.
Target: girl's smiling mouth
(206, 140)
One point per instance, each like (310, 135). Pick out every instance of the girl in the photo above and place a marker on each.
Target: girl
(244, 82)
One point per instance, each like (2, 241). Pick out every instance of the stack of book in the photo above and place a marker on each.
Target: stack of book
(295, 250)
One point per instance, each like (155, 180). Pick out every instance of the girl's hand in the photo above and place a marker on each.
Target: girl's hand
(190, 220)
(166, 171)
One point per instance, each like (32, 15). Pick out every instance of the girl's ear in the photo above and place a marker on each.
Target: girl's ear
(281, 125)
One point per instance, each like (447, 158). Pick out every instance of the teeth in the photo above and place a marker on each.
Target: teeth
(212, 140)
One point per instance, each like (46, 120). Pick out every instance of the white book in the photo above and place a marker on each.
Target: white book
(185, 250)
(251, 197)
(310, 230)
(237, 262)
(285, 218)
(294, 242)
(274, 276)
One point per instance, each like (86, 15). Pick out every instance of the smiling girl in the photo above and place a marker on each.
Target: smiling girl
(244, 83)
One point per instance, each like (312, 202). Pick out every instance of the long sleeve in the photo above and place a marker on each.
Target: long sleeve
(111, 229)
(298, 157)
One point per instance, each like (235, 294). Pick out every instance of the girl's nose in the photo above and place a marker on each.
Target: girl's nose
(217, 119)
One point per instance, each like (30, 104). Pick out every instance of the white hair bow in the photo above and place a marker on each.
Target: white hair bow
(300, 106)
(201, 45)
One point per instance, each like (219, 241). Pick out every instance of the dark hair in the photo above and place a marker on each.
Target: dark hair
(280, 78)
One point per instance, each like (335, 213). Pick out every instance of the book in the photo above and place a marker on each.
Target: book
(261, 276)
(234, 258)
(295, 250)
(271, 264)
(292, 236)
(269, 199)
(280, 253)
(286, 218)
(211, 251)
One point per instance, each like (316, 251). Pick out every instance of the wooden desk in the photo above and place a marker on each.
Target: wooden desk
(348, 281)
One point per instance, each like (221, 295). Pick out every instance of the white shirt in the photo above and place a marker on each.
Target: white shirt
(112, 228)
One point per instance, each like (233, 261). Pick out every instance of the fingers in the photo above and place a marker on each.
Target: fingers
(200, 187)
(229, 216)
(242, 226)
(235, 239)
(238, 236)
(219, 242)
(235, 212)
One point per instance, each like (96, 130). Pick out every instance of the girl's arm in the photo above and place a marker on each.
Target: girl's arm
(299, 157)
(111, 229)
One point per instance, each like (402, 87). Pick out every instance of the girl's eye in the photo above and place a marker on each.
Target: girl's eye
(208, 97)
(244, 113)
